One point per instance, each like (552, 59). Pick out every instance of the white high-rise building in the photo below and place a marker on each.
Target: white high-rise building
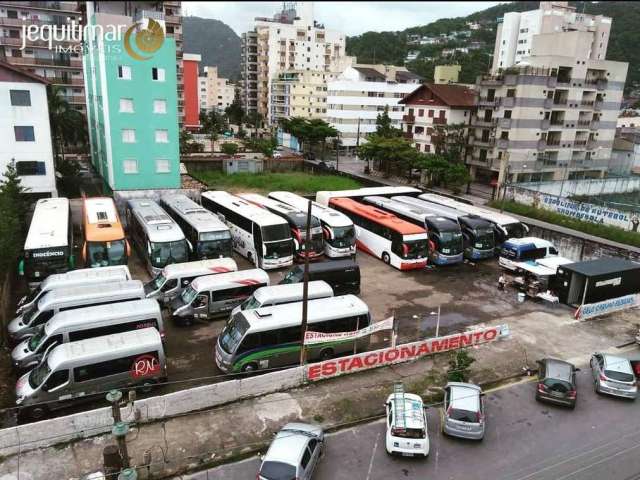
(518, 31)
(291, 40)
(215, 92)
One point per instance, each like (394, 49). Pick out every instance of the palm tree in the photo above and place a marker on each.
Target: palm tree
(68, 126)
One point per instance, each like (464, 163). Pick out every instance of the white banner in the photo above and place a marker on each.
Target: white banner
(591, 310)
(312, 338)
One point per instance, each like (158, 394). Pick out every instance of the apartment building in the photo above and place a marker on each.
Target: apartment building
(360, 93)
(60, 65)
(216, 92)
(290, 41)
(191, 83)
(518, 30)
(430, 108)
(25, 133)
(132, 107)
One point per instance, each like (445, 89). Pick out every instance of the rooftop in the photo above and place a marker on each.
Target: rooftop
(441, 94)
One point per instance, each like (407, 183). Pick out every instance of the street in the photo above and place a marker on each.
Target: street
(525, 440)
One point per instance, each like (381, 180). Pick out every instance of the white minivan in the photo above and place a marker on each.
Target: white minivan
(79, 370)
(70, 299)
(281, 294)
(83, 323)
(74, 278)
(406, 424)
(174, 278)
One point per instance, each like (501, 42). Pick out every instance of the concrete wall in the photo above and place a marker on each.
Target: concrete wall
(594, 186)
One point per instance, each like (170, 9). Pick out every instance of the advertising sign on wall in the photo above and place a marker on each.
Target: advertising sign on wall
(591, 310)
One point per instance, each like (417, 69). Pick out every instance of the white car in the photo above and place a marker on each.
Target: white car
(406, 424)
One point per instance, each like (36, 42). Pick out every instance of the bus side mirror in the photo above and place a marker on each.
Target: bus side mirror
(190, 246)
(128, 246)
(21, 267)
(149, 248)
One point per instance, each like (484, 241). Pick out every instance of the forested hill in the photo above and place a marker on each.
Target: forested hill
(392, 47)
(218, 44)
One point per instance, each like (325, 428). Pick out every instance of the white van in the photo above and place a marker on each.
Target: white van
(72, 298)
(177, 276)
(281, 294)
(74, 278)
(214, 295)
(90, 322)
(79, 370)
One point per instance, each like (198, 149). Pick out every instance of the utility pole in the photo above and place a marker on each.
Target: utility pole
(305, 286)
(337, 155)
(120, 428)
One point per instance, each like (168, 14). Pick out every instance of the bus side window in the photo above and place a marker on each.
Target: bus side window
(249, 342)
(289, 335)
(56, 379)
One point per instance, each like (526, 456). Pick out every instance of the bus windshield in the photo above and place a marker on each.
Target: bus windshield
(451, 242)
(343, 237)
(214, 244)
(34, 341)
(102, 254)
(279, 249)
(39, 374)
(414, 248)
(484, 238)
(168, 252)
(273, 233)
(250, 303)
(232, 334)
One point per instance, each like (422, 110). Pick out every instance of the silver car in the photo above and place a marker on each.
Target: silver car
(293, 454)
(463, 414)
(613, 375)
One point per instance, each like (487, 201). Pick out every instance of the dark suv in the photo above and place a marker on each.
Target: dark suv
(557, 382)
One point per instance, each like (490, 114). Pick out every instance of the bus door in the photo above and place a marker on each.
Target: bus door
(200, 305)
(257, 253)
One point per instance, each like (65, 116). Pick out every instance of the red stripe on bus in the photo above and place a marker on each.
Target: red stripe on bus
(412, 266)
(220, 269)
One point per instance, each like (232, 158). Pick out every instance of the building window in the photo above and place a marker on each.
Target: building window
(430, 114)
(130, 165)
(157, 74)
(163, 166)
(421, 112)
(30, 168)
(162, 136)
(159, 106)
(507, 114)
(124, 72)
(20, 98)
(24, 134)
(128, 136)
(511, 93)
(126, 105)
(427, 148)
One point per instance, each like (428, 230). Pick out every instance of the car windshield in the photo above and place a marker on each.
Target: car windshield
(451, 241)
(28, 315)
(484, 238)
(102, 254)
(414, 248)
(410, 433)
(463, 415)
(35, 341)
(343, 237)
(250, 303)
(158, 282)
(272, 233)
(294, 276)
(164, 253)
(188, 294)
(39, 374)
(277, 471)
(32, 294)
(278, 249)
(555, 385)
(619, 376)
(233, 333)
(214, 244)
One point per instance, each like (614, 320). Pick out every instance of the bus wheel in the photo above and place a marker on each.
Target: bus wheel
(250, 367)
(326, 354)
(386, 258)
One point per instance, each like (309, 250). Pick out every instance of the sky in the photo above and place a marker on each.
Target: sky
(351, 18)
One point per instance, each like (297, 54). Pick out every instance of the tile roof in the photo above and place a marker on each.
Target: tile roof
(370, 72)
(451, 95)
(20, 71)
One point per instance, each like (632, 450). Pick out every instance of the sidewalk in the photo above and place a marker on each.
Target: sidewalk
(199, 439)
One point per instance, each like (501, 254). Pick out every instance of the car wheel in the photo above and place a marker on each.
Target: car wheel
(386, 258)
(250, 367)
(326, 354)
(36, 413)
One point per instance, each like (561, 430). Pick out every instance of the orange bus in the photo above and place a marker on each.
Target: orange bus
(104, 239)
(397, 242)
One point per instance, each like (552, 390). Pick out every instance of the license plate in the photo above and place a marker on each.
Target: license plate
(406, 454)
(557, 394)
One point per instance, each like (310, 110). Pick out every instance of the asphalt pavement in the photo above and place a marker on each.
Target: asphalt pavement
(525, 440)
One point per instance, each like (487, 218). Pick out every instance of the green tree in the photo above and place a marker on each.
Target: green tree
(68, 126)
(456, 175)
(14, 206)
(235, 112)
(213, 124)
(460, 362)
(254, 119)
(389, 153)
(187, 144)
(384, 125)
(229, 148)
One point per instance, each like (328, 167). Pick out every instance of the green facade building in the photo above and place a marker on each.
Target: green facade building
(131, 110)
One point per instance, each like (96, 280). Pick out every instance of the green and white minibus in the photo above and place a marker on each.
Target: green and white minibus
(270, 337)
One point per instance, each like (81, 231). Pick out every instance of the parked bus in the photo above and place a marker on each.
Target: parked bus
(477, 234)
(281, 294)
(74, 278)
(323, 197)
(208, 236)
(157, 237)
(48, 248)
(339, 233)
(504, 226)
(258, 235)
(77, 371)
(89, 322)
(270, 337)
(517, 250)
(104, 240)
(343, 275)
(381, 234)
(297, 220)
(445, 237)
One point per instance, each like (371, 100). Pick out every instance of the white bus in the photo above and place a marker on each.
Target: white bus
(398, 243)
(323, 197)
(504, 226)
(297, 220)
(157, 237)
(339, 234)
(208, 236)
(49, 245)
(258, 235)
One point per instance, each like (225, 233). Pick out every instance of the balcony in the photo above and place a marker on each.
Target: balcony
(552, 82)
(559, 101)
(439, 121)
(172, 18)
(592, 144)
(542, 144)
(557, 123)
(553, 142)
(484, 142)
(597, 106)
(488, 102)
(409, 118)
(491, 80)
(481, 122)
(583, 123)
(66, 81)
(151, 14)
(502, 143)
(407, 135)
(545, 124)
(594, 125)
(548, 103)
(586, 103)
(580, 144)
